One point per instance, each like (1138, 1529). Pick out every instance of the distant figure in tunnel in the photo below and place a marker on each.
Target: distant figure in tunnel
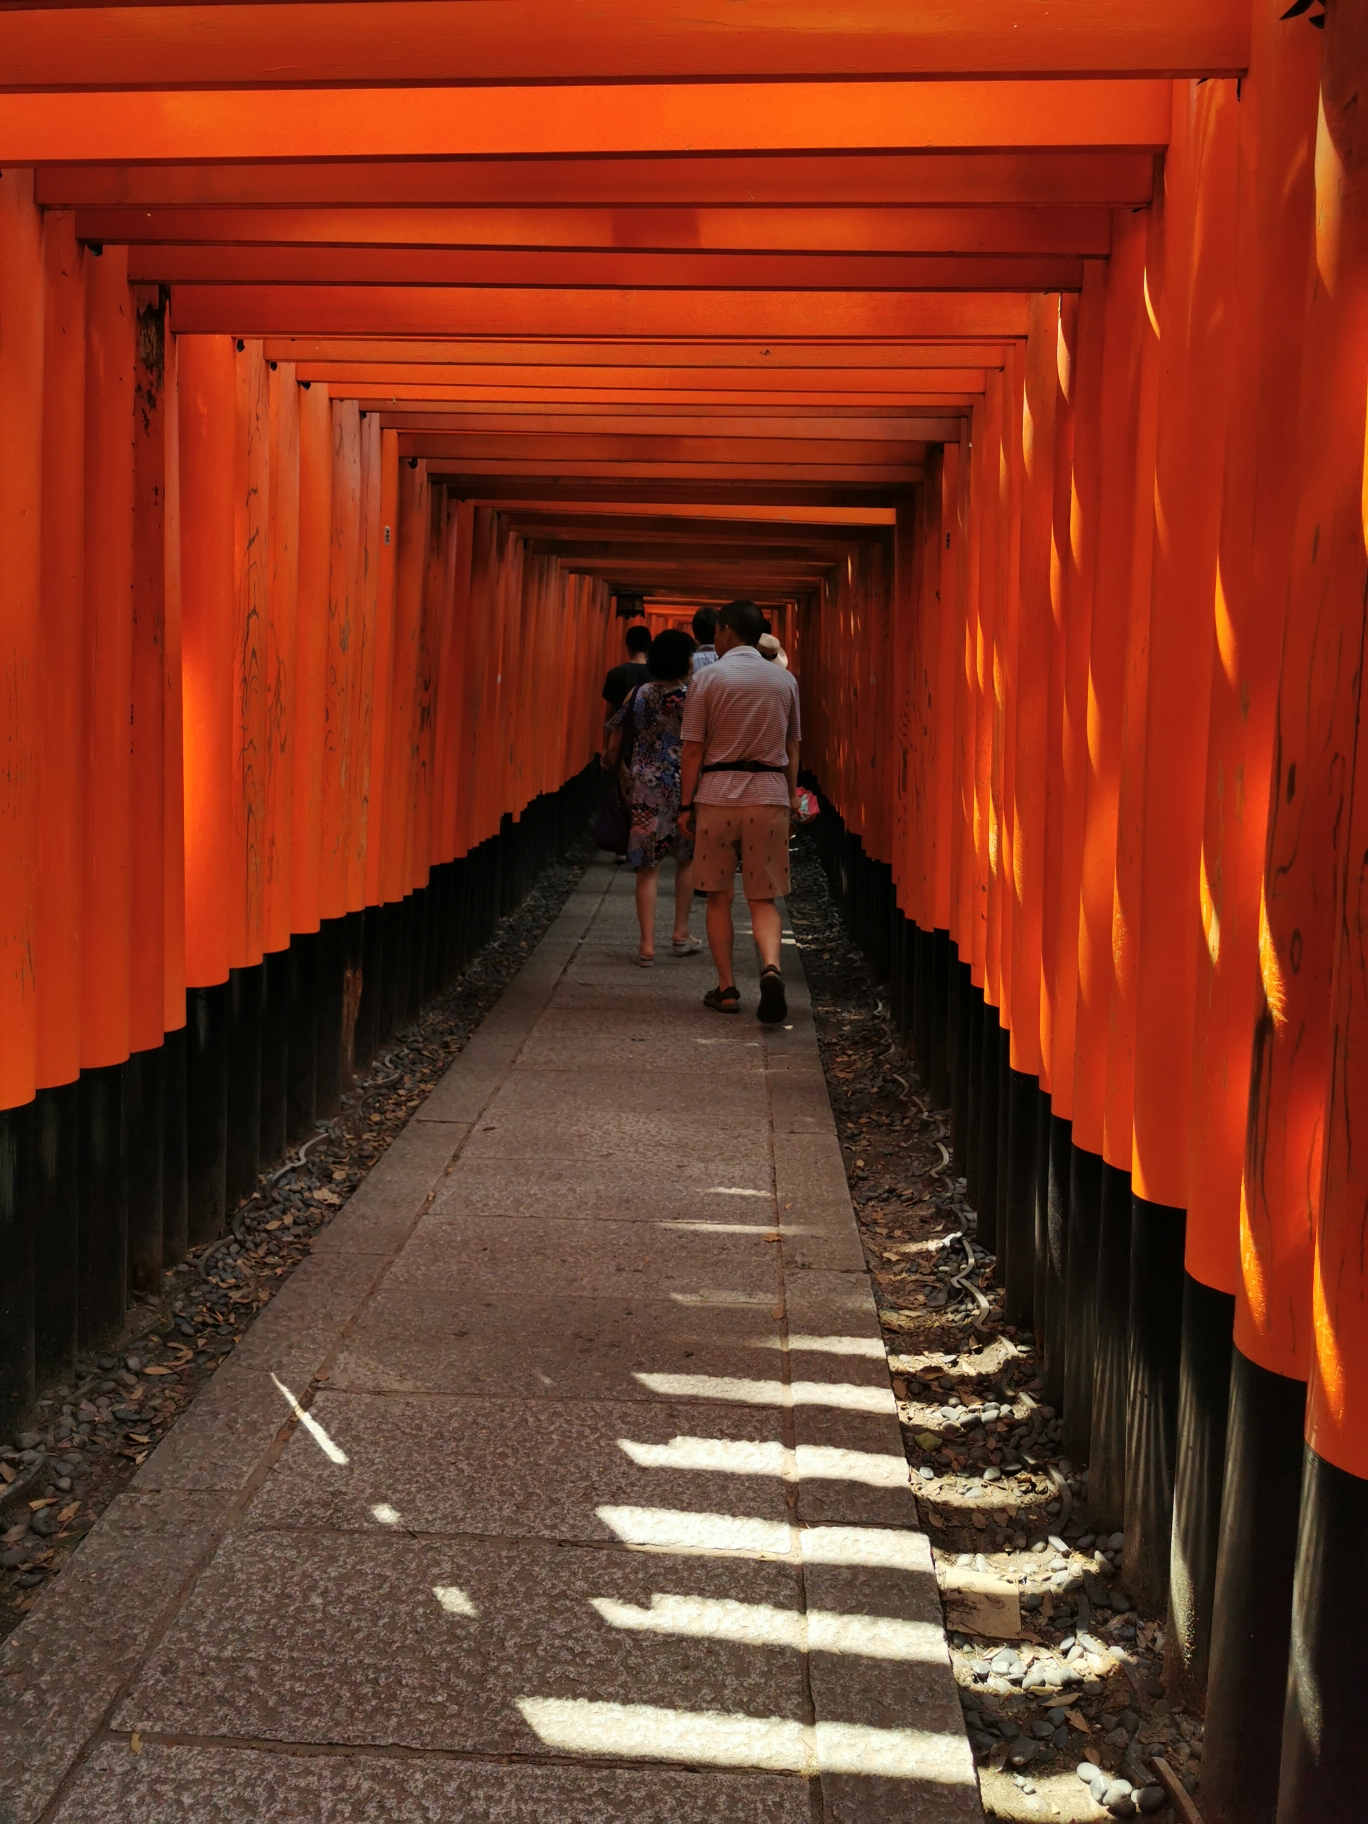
(704, 631)
(740, 783)
(644, 739)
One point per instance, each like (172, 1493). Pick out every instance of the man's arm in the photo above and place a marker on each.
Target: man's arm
(691, 760)
(792, 774)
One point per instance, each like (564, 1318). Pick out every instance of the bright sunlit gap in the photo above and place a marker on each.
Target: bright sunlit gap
(744, 1457)
(730, 1228)
(454, 1601)
(385, 1514)
(731, 1190)
(681, 1531)
(771, 1393)
(755, 1624)
(331, 1451)
(870, 1347)
(772, 1743)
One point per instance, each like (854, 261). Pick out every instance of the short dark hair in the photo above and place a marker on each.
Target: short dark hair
(705, 626)
(744, 619)
(638, 639)
(670, 654)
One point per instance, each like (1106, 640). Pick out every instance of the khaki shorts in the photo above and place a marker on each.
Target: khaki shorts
(756, 835)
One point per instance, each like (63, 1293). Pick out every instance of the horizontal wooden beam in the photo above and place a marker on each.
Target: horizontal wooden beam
(805, 230)
(744, 509)
(500, 266)
(667, 532)
(796, 500)
(140, 125)
(1029, 178)
(717, 361)
(376, 394)
(434, 310)
(645, 446)
(661, 557)
(419, 41)
(453, 455)
(902, 433)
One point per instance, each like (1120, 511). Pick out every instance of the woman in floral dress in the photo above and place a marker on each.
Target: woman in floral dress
(647, 727)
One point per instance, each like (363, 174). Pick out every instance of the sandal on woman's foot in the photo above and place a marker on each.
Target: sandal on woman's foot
(723, 1000)
(644, 961)
(773, 1001)
(685, 946)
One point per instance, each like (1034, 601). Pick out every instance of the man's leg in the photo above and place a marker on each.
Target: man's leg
(769, 930)
(720, 935)
(683, 899)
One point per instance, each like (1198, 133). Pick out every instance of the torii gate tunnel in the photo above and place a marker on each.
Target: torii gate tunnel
(356, 359)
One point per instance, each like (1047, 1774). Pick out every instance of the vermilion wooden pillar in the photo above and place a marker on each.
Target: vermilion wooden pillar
(21, 644)
(207, 412)
(1323, 1778)
(1273, 277)
(1107, 1453)
(106, 934)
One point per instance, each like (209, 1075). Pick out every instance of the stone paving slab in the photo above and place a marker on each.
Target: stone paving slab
(180, 1784)
(428, 1643)
(575, 1189)
(624, 1259)
(520, 1469)
(557, 1488)
(410, 1340)
(69, 1661)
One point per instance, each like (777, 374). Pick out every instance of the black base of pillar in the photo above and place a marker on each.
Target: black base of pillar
(1080, 1299)
(302, 1049)
(1111, 1355)
(1324, 1771)
(144, 1100)
(973, 1102)
(368, 1010)
(275, 1056)
(990, 1077)
(961, 990)
(1016, 1221)
(1052, 1332)
(206, 1112)
(1251, 1623)
(1203, 1409)
(351, 993)
(56, 1237)
(175, 1138)
(16, 1264)
(331, 992)
(102, 1252)
(245, 988)
(1158, 1237)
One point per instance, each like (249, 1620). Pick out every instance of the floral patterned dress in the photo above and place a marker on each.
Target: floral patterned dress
(650, 783)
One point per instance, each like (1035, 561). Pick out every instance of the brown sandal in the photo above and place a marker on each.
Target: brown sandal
(723, 1000)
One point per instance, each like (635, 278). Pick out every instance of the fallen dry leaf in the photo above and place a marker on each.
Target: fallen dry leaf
(8, 1473)
(135, 1743)
(69, 1513)
(159, 1371)
(49, 1501)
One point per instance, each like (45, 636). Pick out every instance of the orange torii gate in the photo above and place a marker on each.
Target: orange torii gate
(1015, 358)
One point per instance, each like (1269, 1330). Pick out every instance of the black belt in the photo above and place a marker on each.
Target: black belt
(742, 766)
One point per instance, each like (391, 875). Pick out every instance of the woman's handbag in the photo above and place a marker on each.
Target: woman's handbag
(612, 825)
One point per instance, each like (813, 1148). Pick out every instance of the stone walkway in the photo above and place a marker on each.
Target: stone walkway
(560, 1486)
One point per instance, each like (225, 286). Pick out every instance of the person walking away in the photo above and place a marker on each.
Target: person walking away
(740, 784)
(628, 675)
(648, 726)
(704, 631)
